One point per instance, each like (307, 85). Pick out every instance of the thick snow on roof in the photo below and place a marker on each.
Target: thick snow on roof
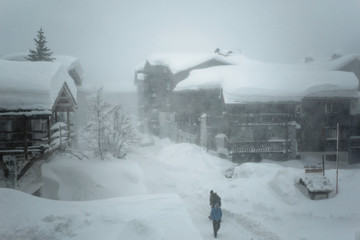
(178, 62)
(318, 64)
(32, 85)
(15, 57)
(68, 62)
(246, 85)
(329, 64)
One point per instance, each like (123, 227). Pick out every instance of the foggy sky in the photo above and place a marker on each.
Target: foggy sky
(113, 37)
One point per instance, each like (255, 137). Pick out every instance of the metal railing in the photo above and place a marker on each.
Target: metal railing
(259, 119)
(262, 146)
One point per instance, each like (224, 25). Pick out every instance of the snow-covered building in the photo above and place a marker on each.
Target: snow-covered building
(250, 109)
(156, 78)
(259, 113)
(34, 96)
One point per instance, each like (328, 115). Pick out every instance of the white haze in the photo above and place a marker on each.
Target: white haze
(111, 38)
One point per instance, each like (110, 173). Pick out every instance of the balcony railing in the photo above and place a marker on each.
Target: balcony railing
(355, 142)
(258, 147)
(259, 119)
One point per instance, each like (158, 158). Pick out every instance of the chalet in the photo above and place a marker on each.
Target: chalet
(156, 79)
(251, 110)
(256, 118)
(34, 97)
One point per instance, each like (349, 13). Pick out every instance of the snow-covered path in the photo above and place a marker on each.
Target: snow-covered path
(196, 195)
(260, 201)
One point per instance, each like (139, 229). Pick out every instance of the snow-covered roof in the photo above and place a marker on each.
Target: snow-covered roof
(69, 62)
(331, 64)
(29, 85)
(15, 57)
(241, 84)
(178, 62)
(318, 64)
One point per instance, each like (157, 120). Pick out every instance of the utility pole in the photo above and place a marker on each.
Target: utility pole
(337, 158)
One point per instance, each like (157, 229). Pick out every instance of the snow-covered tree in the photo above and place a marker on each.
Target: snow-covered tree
(98, 124)
(110, 129)
(123, 133)
(42, 53)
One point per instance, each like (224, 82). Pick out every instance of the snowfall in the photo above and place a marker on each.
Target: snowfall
(161, 191)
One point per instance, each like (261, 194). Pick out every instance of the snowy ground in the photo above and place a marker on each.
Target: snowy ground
(162, 192)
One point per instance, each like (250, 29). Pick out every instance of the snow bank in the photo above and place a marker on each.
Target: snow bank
(268, 194)
(142, 217)
(91, 179)
(260, 200)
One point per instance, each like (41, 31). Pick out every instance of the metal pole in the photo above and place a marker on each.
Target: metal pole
(68, 127)
(337, 159)
(48, 130)
(25, 139)
(323, 164)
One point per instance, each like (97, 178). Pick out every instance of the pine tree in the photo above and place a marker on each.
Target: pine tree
(42, 53)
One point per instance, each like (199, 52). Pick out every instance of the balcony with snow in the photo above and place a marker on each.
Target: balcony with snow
(33, 97)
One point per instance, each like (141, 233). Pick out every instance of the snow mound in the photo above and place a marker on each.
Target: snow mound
(189, 156)
(284, 185)
(270, 179)
(247, 170)
(91, 179)
(142, 217)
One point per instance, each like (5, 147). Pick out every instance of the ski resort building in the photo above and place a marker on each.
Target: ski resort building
(155, 81)
(249, 110)
(37, 106)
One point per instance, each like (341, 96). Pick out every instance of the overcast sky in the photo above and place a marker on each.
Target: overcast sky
(113, 37)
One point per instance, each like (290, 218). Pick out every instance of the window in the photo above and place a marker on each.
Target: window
(331, 133)
(331, 107)
(43, 126)
(168, 86)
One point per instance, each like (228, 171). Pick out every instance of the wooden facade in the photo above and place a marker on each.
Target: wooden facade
(26, 134)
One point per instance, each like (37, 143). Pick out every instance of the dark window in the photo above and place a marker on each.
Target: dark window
(331, 107)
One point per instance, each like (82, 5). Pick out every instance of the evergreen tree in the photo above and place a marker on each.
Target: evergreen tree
(42, 53)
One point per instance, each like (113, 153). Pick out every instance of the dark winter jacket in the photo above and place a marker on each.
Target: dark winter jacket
(216, 213)
(214, 198)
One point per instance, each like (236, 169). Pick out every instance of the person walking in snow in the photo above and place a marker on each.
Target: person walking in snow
(216, 215)
(214, 198)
